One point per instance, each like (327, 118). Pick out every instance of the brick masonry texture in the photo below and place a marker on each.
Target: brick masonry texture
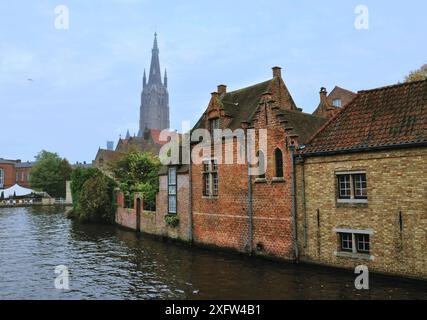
(396, 182)
(154, 222)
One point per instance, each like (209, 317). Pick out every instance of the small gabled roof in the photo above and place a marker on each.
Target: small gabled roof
(392, 116)
(241, 104)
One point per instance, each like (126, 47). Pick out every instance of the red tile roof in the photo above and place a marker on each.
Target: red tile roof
(385, 117)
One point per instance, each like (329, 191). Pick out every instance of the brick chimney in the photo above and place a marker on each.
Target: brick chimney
(323, 94)
(222, 88)
(214, 94)
(277, 72)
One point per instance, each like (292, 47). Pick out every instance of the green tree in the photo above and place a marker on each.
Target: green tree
(417, 75)
(97, 200)
(78, 179)
(50, 173)
(138, 172)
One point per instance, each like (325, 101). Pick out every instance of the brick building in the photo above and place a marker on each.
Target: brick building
(362, 186)
(232, 209)
(14, 172)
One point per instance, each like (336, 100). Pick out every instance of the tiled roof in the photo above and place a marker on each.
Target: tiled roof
(385, 117)
(302, 124)
(240, 104)
(25, 164)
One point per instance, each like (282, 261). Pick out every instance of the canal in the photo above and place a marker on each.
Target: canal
(109, 263)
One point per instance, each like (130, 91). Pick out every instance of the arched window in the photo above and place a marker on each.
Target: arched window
(261, 165)
(278, 156)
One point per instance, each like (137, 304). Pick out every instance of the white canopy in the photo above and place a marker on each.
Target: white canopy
(16, 190)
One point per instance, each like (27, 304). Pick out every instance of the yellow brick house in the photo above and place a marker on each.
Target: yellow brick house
(361, 185)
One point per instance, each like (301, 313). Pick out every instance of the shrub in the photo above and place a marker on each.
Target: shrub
(172, 220)
(96, 200)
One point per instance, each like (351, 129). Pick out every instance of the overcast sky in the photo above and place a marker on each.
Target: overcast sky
(86, 81)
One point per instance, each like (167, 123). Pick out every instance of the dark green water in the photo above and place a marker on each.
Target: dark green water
(109, 263)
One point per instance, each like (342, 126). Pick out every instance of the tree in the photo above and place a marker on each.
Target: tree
(97, 201)
(417, 75)
(138, 172)
(50, 173)
(78, 179)
(93, 196)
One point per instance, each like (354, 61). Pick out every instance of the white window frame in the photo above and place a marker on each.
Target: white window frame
(1, 178)
(210, 178)
(339, 104)
(171, 186)
(354, 252)
(353, 198)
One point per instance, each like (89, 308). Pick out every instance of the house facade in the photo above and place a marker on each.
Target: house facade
(14, 172)
(362, 186)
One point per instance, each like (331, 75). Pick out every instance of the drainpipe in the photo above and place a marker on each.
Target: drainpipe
(304, 211)
(250, 210)
(294, 219)
(190, 200)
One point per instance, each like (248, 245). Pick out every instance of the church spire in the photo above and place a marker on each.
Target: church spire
(165, 81)
(144, 80)
(127, 135)
(155, 75)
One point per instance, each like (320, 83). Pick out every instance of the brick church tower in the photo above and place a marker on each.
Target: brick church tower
(154, 113)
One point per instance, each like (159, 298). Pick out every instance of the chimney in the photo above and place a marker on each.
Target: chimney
(277, 72)
(323, 94)
(222, 88)
(214, 94)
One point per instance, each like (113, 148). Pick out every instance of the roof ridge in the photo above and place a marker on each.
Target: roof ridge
(393, 86)
(249, 87)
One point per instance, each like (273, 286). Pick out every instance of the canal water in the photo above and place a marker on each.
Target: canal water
(109, 263)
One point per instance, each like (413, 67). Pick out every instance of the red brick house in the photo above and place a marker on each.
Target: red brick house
(14, 172)
(362, 185)
(235, 210)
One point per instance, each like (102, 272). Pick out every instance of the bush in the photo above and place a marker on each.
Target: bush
(93, 196)
(172, 220)
(138, 173)
(96, 201)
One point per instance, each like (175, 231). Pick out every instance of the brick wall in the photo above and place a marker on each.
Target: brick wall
(9, 174)
(154, 222)
(223, 221)
(396, 182)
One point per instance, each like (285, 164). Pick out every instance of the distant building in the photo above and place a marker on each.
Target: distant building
(331, 104)
(14, 172)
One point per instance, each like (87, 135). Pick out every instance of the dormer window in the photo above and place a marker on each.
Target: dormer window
(337, 103)
(214, 124)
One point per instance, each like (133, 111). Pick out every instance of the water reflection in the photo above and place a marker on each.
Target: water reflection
(109, 263)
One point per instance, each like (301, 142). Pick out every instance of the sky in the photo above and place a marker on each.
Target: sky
(70, 90)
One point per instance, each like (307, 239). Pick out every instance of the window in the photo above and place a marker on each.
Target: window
(337, 103)
(354, 241)
(346, 242)
(172, 194)
(352, 187)
(22, 175)
(210, 178)
(16, 176)
(1, 178)
(261, 165)
(279, 163)
(214, 124)
(362, 243)
(28, 176)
